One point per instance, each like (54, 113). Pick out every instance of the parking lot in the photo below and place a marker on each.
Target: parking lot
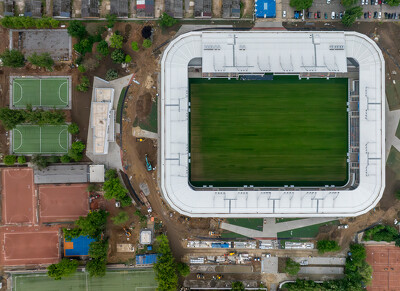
(324, 10)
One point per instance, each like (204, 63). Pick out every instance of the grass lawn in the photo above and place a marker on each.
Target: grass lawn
(278, 220)
(231, 235)
(305, 232)
(268, 133)
(252, 223)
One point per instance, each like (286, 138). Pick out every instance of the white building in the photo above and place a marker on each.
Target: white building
(229, 53)
(102, 120)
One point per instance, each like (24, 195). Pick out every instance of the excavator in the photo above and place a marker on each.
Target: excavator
(148, 165)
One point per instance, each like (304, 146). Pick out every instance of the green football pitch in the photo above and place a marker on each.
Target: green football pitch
(139, 280)
(268, 133)
(46, 92)
(46, 139)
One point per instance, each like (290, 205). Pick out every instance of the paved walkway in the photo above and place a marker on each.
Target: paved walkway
(392, 121)
(271, 229)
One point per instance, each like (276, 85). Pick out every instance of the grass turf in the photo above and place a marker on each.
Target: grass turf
(252, 223)
(47, 92)
(46, 139)
(113, 280)
(305, 232)
(268, 133)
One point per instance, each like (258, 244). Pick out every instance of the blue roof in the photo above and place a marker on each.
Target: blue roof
(79, 247)
(147, 259)
(265, 8)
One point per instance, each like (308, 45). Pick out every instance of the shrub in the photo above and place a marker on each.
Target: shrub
(76, 29)
(120, 218)
(166, 20)
(292, 268)
(113, 188)
(96, 268)
(73, 128)
(10, 118)
(146, 32)
(111, 75)
(92, 188)
(53, 159)
(65, 159)
(111, 19)
(135, 46)
(21, 160)
(82, 69)
(183, 269)
(118, 56)
(39, 162)
(146, 43)
(102, 48)
(29, 22)
(64, 268)
(116, 41)
(98, 249)
(12, 58)
(84, 46)
(327, 246)
(42, 60)
(237, 286)
(9, 160)
(84, 85)
(381, 233)
(76, 151)
(128, 59)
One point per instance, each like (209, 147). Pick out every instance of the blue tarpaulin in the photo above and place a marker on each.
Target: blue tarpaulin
(147, 259)
(265, 8)
(77, 246)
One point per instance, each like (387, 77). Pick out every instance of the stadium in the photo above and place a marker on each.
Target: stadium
(272, 124)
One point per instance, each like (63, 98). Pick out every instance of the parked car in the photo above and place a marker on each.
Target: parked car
(304, 263)
(200, 276)
(343, 226)
(341, 15)
(328, 1)
(362, 2)
(386, 15)
(296, 14)
(284, 14)
(319, 14)
(379, 15)
(333, 15)
(365, 15)
(309, 15)
(326, 15)
(315, 15)
(369, 14)
(375, 15)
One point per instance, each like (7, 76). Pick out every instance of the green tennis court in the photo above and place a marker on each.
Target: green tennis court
(113, 280)
(47, 92)
(46, 139)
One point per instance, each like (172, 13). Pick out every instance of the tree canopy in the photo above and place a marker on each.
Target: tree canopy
(77, 29)
(327, 246)
(165, 267)
(98, 249)
(147, 43)
(393, 2)
(118, 56)
(381, 233)
(102, 48)
(166, 21)
(41, 60)
(349, 3)
(113, 188)
(9, 160)
(64, 268)
(237, 286)
(183, 269)
(116, 41)
(93, 224)
(28, 22)
(96, 267)
(351, 15)
(292, 267)
(301, 4)
(12, 58)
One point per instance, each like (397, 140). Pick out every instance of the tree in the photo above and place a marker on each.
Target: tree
(12, 58)
(39, 162)
(165, 267)
(84, 46)
(349, 3)
(166, 20)
(146, 43)
(116, 41)
(11, 118)
(84, 85)
(21, 160)
(93, 224)
(98, 249)
(301, 4)
(397, 194)
(64, 268)
(135, 46)
(69, 234)
(102, 48)
(111, 75)
(128, 59)
(65, 159)
(29, 22)
(96, 268)
(76, 151)
(381, 233)
(113, 188)
(183, 269)
(111, 19)
(42, 60)
(73, 128)
(327, 246)
(292, 267)
(77, 29)
(118, 56)
(351, 15)
(237, 286)
(393, 2)
(146, 32)
(9, 160)
(120, 218)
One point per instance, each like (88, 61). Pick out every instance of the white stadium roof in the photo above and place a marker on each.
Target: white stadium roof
(275, 52)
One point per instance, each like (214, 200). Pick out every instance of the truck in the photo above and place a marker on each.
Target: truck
(145, 201)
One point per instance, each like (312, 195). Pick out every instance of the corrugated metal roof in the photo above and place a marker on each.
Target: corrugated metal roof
(62, 174)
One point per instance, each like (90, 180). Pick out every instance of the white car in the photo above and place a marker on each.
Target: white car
(284, 13)
(333, 15)
(328, 1)
(379, 15)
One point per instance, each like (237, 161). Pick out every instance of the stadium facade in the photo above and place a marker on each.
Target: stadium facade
(229, 54)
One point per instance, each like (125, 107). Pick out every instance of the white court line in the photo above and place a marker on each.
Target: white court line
(40, 91)
(59, 140)
(59, 93)
(15, 149)
(20, 98)
(40, 139)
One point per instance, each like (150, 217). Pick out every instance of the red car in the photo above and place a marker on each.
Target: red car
(369, 14)
(315, 15)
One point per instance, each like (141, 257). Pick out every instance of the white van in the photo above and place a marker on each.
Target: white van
(333, 15)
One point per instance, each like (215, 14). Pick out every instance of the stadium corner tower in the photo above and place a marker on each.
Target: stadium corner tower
(272, 124)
